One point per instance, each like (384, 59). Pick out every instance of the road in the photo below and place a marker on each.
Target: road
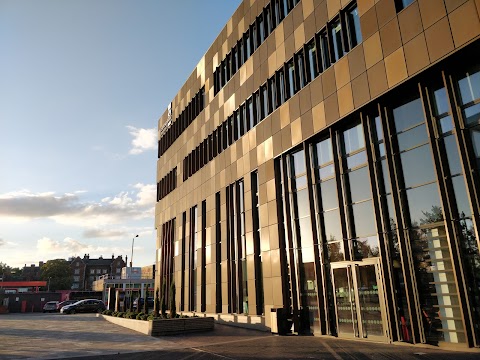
(85, 336)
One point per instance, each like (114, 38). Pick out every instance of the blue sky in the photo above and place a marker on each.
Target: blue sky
(82, 85)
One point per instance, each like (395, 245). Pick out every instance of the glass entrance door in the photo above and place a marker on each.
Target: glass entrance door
(359, 303)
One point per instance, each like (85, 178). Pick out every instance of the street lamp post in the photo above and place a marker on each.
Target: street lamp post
(130, 277)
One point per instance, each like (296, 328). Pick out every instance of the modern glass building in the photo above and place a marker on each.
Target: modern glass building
(324, 158)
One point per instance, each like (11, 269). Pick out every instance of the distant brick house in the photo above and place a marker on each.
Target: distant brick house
(32, 272)
(86, 270)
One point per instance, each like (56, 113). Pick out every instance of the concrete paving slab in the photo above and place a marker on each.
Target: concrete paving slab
(86, 337)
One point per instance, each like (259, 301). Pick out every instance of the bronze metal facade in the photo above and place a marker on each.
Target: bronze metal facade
(324, 158)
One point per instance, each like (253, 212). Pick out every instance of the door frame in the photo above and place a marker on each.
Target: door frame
(352, 267)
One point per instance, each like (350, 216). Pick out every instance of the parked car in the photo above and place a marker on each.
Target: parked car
(150, 303)
(87, 305)
(50, 306)
(65, 303)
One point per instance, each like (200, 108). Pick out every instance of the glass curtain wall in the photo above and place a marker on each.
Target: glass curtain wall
(302, 242)
(424, 220)
(467, 87)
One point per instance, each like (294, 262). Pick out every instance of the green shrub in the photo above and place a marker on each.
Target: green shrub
(144, 317)
(139, 316)
(120, 314)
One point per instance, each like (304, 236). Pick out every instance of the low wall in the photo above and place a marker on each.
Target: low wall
(164, 326)
(255, 322)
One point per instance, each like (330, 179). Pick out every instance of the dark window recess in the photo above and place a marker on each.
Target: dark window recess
(256, 34)
(191, 111)
(166, 264)
(402, 4)
(167, 184)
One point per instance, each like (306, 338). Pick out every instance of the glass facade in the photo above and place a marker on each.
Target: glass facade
(365, 228)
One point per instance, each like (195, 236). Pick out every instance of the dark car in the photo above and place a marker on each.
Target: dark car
(150, 302)
(65, 303)
(87, 305)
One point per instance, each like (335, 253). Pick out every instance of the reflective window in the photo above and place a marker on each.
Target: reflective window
(445, 124)
(353, 139)
(328, 192)
(299, 162)
(461, 197)
(441, 101)
(336, 36)
(312, 60)
(469, 86)
(417, 166)
(413, 137)
(408, 115)
(324, 152)
(451, 150)
(364, 220)
(359, 182)
(291, 79)
(424, 205)
(354, 30)
(333, 228)
(472, 114)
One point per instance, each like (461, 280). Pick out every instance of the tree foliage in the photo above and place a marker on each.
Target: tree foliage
(58, 273)
(10, 274)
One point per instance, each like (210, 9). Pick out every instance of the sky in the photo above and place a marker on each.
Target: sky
(82, 86)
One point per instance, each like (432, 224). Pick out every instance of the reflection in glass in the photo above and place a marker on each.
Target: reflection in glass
(326, 172)
(417, 166)
(424, 205)
(366, 247)
(356, 160)
(446, 124)
(470, 87)
(436, 283)
(306, 235)
(461, 196)
(308, 290)
(333, 229)
(299, 162)
(407, 115)
(472, 114)
(324, 152)
(335, 251)
(303, 204)
(412, 137)
(360, 185)
(386, 177)
(328, 190)
(345, 303)
(441, 101)
(451, 150)
(378, 128)
(369, 300)
(300, 182)
(475, 136)
(353, 139)
(364, 219)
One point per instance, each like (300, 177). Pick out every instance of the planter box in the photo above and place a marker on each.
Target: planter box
(164, 326)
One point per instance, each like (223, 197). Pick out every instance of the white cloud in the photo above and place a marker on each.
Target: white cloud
(104, 233)
(2, 242)
(143, 139)
(68, 247)
(70, 209)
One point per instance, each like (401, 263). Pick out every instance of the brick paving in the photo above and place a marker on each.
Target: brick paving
(86, 337)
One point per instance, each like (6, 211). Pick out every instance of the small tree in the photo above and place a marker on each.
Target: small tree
(173, 308)
(156, 304)
(145, 302)
(162, 301)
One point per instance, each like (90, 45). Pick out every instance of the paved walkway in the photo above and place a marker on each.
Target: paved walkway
(84, 336)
